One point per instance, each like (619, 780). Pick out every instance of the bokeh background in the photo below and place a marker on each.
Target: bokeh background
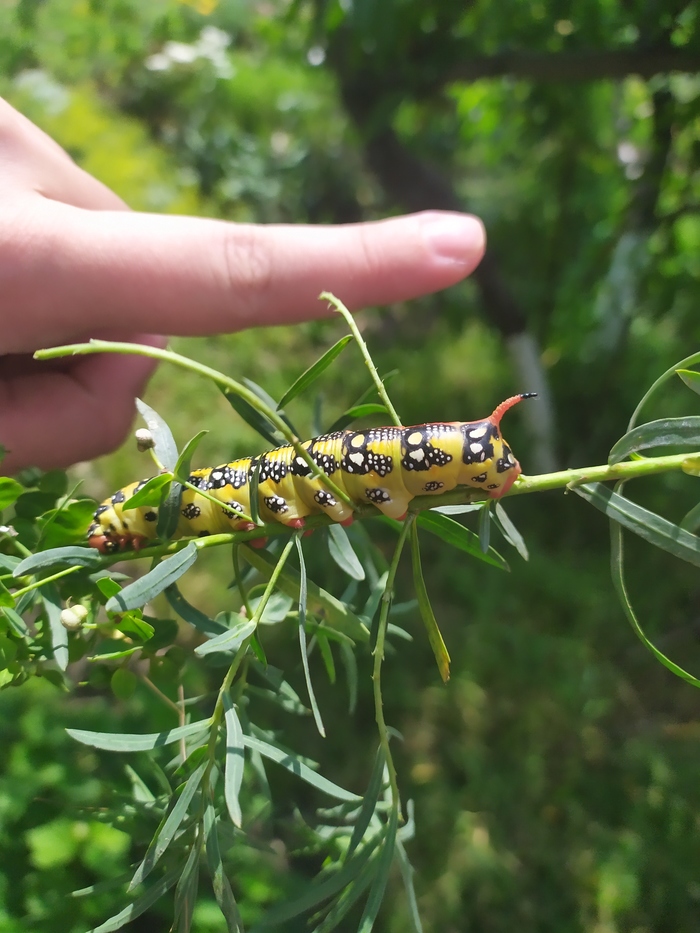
(555, 777)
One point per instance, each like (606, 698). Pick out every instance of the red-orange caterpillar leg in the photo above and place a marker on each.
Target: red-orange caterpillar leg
(346, 522)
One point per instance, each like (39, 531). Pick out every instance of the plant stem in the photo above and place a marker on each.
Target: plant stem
(224, 382)
(379, 657)
(38, 583)
(376, 378)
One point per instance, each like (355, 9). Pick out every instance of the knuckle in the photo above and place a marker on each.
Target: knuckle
(247, 266)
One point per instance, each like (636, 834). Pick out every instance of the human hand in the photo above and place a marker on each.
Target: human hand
(75, 263)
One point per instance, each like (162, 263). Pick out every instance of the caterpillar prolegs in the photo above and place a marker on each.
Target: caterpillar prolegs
(386, 467)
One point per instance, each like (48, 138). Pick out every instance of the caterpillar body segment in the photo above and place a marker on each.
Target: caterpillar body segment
(384, 466)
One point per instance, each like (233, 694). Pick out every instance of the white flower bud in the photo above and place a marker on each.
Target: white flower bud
(144, 439)
(72, 617)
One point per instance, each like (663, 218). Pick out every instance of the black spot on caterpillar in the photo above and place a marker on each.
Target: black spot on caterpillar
(386, 467)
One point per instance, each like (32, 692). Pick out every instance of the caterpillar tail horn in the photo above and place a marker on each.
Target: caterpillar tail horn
(500, 410)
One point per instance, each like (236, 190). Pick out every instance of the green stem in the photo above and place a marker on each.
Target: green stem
(221, 380)
(379, 658)
(376, 378)
(38, 583)
(463, 495)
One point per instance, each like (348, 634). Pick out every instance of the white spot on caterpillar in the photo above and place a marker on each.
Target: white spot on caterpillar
(357, 441)
(414, 438)
(417, 455)
(359, 459)
(475, 448)
(478, 432)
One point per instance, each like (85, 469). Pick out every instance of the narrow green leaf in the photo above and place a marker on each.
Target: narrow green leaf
(186, 892)
(165, 573)
(309, 376)
(319, 891)
(220, 883)
(141, 904)
(254, 418)
(294, 764)
(617, 568)
(407, 874)
(347, 897)
(150, 495)
(357, 411)
(342, 552)
(350, 664)
(324, 646)
(319, 601)
(372, 390)
(184, 461)
(691, 521)
(15, 621)
(457, 509)
(440, 651)
(254, 482)
(59, 635)
(509, 531)
(55, 557)
(169, 512)
(691, 379)
(170, 826)
(648, 525)
(666, 432)
(485, 527)
(125, 742)
(369, 803)
(302, 639)
(228, 641)
(165, 446)
(7, 562)
(10, 491)
(234, 763)
(460, 537)
(386, 857)
(194, 617)
(7, 600)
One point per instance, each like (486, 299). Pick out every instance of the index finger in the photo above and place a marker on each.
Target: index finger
(190, 276)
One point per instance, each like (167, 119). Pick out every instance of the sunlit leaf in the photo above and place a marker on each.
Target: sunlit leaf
(309, 376)
(386, 856)
(440, 651)
(356, 412)
(460, 537)
(666, 432)
(151, 494)
(165, 573)
(165, 447)
(10, 490)
(230, 640)
(342, 552)
(691, 379)
(509, 531)
(254, 418)
(126, 742)
(234, 761)
(184, 461)
(302, 639)
(57, 557)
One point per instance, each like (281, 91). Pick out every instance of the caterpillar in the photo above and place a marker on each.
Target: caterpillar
(383, 466)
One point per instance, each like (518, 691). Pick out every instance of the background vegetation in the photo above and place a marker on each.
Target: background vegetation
(555, 777)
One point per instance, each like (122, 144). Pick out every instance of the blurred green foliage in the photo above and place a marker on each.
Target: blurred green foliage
(555, 776)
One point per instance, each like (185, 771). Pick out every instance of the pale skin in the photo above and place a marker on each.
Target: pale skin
(76, 263)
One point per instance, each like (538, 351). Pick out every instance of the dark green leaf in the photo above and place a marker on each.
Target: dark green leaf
(509, 531)
(55, 482)
(324, 646)
(234, 763)
(485, 527)
(440, 651)
(348, 896)
(342, 552)
(140, 592)
(369, 803)
(66, 525)
(150, 495)
(80, 556)
(407, 874)
(666, 432)
(32, 504)
(170, 826)
(357, 411)
(648, 525)
(140, 905)
(184, 461)
(164, 443)
(194, 617)
(350, 664)
(309, 376)
(691, 521)
(254, 418)
(460, 537)
(220, 883)
(302, 639)
(15, 621)
(296, 766)
(7, 600)
(124, 742)
(10, 491)
(376, 894)
(134, 624)
(186, 892)
(169, 512)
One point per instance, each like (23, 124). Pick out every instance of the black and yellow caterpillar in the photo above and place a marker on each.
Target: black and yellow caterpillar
(386, 467)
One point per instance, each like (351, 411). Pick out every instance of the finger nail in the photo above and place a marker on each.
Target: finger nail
(459, 238)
